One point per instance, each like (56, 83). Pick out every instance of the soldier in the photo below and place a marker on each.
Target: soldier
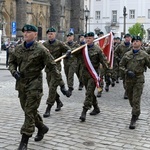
(26, 64)
(120, 51)
(79, 61)
(70, 64)
(56, 48)
(133, 66)
(96, 57)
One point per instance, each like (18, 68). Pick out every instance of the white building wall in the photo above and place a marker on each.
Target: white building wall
(106, 6)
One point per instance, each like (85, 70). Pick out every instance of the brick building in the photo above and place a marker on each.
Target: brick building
(64, 15)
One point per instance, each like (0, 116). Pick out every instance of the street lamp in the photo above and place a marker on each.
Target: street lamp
(124, 15)
(87, 13)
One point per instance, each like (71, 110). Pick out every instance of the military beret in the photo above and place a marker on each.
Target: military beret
(69, 34)
(81, 35)
(118, 38)
(127, 35)
(90, 34)
(85, 35)
(100, 33)
(29, 27)
(136, 38)
(51, 30)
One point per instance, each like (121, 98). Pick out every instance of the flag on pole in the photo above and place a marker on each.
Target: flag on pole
(90, 67)
(105, 43)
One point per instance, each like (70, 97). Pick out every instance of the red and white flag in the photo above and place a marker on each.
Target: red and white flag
(90, 67)
(108, 50)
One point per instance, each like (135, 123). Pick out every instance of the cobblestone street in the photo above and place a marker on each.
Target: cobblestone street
(109, 130)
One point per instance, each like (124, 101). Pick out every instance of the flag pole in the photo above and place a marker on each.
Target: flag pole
(62, 57)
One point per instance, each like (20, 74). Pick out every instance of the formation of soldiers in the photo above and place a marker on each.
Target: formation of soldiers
(29, 58)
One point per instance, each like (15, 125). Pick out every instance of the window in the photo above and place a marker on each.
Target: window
(97, 15)
(114, 16)
(148, 13)
(132, 14)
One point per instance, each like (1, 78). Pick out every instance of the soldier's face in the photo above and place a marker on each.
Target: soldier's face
(29, 36)
(136, 44)
(70, 38)
(89, 40)
(51, 35)
(82, 38)
(127, 39)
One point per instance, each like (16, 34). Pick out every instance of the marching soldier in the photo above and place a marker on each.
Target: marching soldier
(133, 65)
(96, 57)
(119, 53)
(70, 64)
(26, 64)
(56, 48)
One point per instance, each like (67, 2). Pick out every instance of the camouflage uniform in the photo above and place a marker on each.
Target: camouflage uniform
(134, 86)
(56, 48)
(96, 57)
(118, 54)
(30, 62)
(70, 65)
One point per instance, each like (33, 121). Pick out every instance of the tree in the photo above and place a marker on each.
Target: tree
(137, 29)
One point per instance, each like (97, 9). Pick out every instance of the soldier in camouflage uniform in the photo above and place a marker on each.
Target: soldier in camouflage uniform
(133, 66)
(70, 64)
(26, 64)
(96, 57)
(56, 48)
(121, 49)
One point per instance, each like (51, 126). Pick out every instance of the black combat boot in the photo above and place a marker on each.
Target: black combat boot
(24, 142)
(113, 83)
(117, 80)
(80, 86)
(41, 131)
(99, 93)
(59, 104)
(70, 90)
(107, 87)
(133, 122)
(125, 95)
(95, 111)
(83, 115)
(47, 112)
(64, 91)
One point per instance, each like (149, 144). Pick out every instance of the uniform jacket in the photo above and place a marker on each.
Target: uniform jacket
(30, 63)
(136, 63)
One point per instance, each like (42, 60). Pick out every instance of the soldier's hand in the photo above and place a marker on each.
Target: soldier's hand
(130, 74)
(68, 54)
(64, 91)
(16, 75)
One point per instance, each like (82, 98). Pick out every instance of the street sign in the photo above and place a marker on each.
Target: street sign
(72, 30)
(13, 29)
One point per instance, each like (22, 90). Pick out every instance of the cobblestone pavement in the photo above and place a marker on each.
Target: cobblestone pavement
(106, 131)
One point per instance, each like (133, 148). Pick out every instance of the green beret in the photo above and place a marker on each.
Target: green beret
(85, 35)
(81, 35)
(29, 27)
(118, 38)
(69, 34)
(51, 30)
(136, 38)
(100, 33)
(127, 35)
(90, 34)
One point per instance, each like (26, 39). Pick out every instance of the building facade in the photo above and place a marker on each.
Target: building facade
(107, 15)
(64, 15)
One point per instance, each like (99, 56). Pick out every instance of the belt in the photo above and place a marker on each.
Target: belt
(29, 74)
